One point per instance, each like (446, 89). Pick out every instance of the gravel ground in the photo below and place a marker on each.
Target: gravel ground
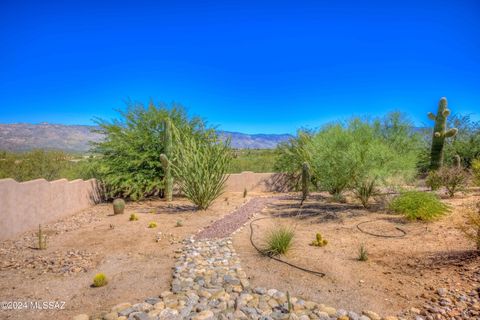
(225, 226)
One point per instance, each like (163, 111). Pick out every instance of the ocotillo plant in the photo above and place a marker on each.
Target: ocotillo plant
(305, 181)
(165, 159)
(440, 132)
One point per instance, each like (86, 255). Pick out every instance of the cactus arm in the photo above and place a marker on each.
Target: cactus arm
(451, 133)
(431, 116)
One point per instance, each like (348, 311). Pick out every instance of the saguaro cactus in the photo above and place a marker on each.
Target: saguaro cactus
(305, 180)
(165, 159)
(440, 132)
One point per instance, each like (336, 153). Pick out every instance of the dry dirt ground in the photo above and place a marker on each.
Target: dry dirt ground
(136, 259)
(400, 273)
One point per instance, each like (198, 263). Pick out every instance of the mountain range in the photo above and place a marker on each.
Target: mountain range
(77, 138)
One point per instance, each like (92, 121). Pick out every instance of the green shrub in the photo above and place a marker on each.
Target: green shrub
(416, 205)
(129, 154)
(278, 240)
(179, 223)
(255, 160)
(133, 217)
(100, 280)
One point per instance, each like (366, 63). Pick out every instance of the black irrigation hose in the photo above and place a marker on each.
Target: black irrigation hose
(317, 273)
(404, 233)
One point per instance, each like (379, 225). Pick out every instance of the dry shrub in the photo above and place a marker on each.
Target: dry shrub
(454, 179)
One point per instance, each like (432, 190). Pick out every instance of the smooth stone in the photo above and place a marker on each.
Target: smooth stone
(120, 307)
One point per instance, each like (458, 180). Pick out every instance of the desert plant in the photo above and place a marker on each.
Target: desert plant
(118, 206)
(201, 167)
(99, 280)
(278, 240)
(319, 241)
(292, 154)
(152, 224)
(417, 205)
(440, 133)
(362, 155)
(362, 253)
(42, 239)
(133, 217)
(433, 180)
(476, 171)
(130, 148)
(454, 179)
(364, 190)
(164, 158)
(179, 223)
(305, 181)
(466, 142)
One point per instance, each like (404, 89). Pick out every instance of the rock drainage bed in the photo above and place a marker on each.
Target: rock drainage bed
(209, 283)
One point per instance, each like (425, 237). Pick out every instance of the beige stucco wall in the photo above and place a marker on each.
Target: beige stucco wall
(25, 205)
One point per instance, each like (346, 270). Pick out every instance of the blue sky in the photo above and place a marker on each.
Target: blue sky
(249, 66)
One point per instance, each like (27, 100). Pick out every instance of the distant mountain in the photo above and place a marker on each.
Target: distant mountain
(76, 138)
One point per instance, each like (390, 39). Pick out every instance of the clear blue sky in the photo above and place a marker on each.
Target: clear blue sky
(250, 66)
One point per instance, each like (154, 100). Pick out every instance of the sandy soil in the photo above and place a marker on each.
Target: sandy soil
(93, 241)
(399, 274)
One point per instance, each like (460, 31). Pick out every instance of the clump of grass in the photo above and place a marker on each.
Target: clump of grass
(152, 224)
(278, 240)
(179, 223)
(100, 280)
(416, 205)
(362, 253)
(133, 217)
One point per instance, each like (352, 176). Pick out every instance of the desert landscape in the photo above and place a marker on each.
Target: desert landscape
(252, 160)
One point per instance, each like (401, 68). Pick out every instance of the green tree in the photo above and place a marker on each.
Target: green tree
(129, 162)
